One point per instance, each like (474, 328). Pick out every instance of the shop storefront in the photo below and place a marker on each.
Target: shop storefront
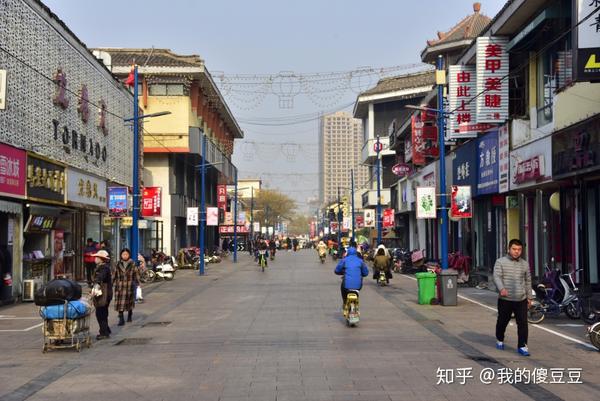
(86, 194)
(426, 230)
(463, 236)
(540, 224)
(12, 191)
(576, 166)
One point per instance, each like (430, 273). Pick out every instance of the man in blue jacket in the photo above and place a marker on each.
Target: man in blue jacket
(353, 269)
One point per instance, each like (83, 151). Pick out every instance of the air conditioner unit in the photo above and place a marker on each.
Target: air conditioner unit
(29, 287)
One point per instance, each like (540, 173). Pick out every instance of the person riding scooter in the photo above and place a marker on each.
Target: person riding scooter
(353, 269)
(272, 249)
(322, 250)
(382, 263)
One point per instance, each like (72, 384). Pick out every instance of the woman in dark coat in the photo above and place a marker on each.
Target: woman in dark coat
(102, 277)
(123, 278)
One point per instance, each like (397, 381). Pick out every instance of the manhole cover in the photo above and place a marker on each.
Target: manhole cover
(159, 324)
(133, 341)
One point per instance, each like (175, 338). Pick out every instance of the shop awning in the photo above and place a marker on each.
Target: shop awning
(10, 207)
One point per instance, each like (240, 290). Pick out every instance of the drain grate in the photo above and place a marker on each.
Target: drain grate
(134, 341)
(159, 324)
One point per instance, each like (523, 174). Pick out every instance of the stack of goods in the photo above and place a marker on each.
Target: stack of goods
(59, 294)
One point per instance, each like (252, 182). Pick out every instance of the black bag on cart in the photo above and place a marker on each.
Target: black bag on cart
(57, 292)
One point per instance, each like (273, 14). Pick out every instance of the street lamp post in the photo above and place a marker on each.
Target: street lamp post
(235, 218)
(202, 212)
(440, 80)
(339, 215)
(378, 212)
(352, 193)
(135, 229)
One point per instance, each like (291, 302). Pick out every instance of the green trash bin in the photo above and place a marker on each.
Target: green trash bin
(426, 285)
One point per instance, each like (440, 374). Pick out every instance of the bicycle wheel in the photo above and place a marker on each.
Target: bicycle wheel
(535, 314)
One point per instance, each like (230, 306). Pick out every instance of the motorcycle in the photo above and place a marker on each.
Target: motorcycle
(351, 313)
(166, 269)
(262, 259)
(593, 333)
(322, 256)
(562, 297)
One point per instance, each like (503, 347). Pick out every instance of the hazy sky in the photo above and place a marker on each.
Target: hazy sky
(267, 37)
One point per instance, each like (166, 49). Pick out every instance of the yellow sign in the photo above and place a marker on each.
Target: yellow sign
(126, 222)
(592, 63)
(107, 221)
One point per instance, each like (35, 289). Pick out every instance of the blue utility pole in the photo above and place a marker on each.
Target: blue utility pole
(352, 185)
(378, 193)
(135, 230)
(202, 211)
(235, 218)
(441, 121)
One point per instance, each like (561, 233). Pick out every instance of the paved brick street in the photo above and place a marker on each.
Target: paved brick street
(239, 334)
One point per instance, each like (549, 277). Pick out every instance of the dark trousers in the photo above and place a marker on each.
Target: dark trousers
(345, 292)
(505, 311)
(102, 317)
(89, 271)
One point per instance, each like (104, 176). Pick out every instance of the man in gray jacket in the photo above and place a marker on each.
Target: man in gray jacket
(513, 280)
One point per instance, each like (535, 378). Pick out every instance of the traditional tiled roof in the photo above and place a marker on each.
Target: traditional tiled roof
(469, 28)
(152, 57)
(401, 82)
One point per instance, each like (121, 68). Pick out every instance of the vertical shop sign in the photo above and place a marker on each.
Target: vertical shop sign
(13, 164)
(369, 216)
(492, 80)
(212, 216)
(418, 157)
(192, 216)
(151, 202)
(222, 196)
(503, 159)
(461, 91)
(487, 153)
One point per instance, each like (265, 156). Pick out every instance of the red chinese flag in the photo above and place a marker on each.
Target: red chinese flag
(130, 81)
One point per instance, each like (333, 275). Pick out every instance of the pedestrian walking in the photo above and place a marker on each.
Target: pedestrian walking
(513, 280)
(88, 260)
(124, 277)
(103, 282)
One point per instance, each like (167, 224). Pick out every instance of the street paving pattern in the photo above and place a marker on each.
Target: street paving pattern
(240, 334)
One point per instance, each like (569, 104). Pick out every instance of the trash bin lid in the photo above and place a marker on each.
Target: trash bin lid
(425, 275)
(449, 272)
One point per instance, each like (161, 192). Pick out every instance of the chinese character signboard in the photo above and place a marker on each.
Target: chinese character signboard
(13, 164)
(487, 153)
(222, 196)
(464, 165)
(503, 159)
(117, 201)
(192, 216)
(492, 80)
(151, 202)
(531, 165)
(45, 180)
(426, 203)
(576, 151)
(460, 202)
(588, 38)
(369, 216)
(461, 93)
(229, 229)
(388, 218)
(418, 158)
(85, 189)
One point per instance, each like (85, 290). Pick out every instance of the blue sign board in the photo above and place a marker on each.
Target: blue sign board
(117, 201)
(487, 162)
(464, 165)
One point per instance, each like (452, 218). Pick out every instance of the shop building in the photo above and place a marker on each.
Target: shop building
(182, 85)
(63, 139)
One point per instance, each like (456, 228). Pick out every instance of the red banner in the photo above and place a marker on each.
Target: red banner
(222, 196)
(313, 229)
(151, 202)
(360, 222)
(460, 202)
(13, 166)
(388, 218)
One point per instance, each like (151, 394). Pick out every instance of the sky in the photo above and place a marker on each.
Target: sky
(277, 39)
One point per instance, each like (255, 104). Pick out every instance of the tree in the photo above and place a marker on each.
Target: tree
(299, 225)
(272, 206)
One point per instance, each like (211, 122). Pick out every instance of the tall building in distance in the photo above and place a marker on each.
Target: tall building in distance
(340, 147)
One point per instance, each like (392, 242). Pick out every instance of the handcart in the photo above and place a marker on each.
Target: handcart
(67, 332)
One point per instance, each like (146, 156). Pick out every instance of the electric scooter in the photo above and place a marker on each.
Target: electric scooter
(351, 313)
